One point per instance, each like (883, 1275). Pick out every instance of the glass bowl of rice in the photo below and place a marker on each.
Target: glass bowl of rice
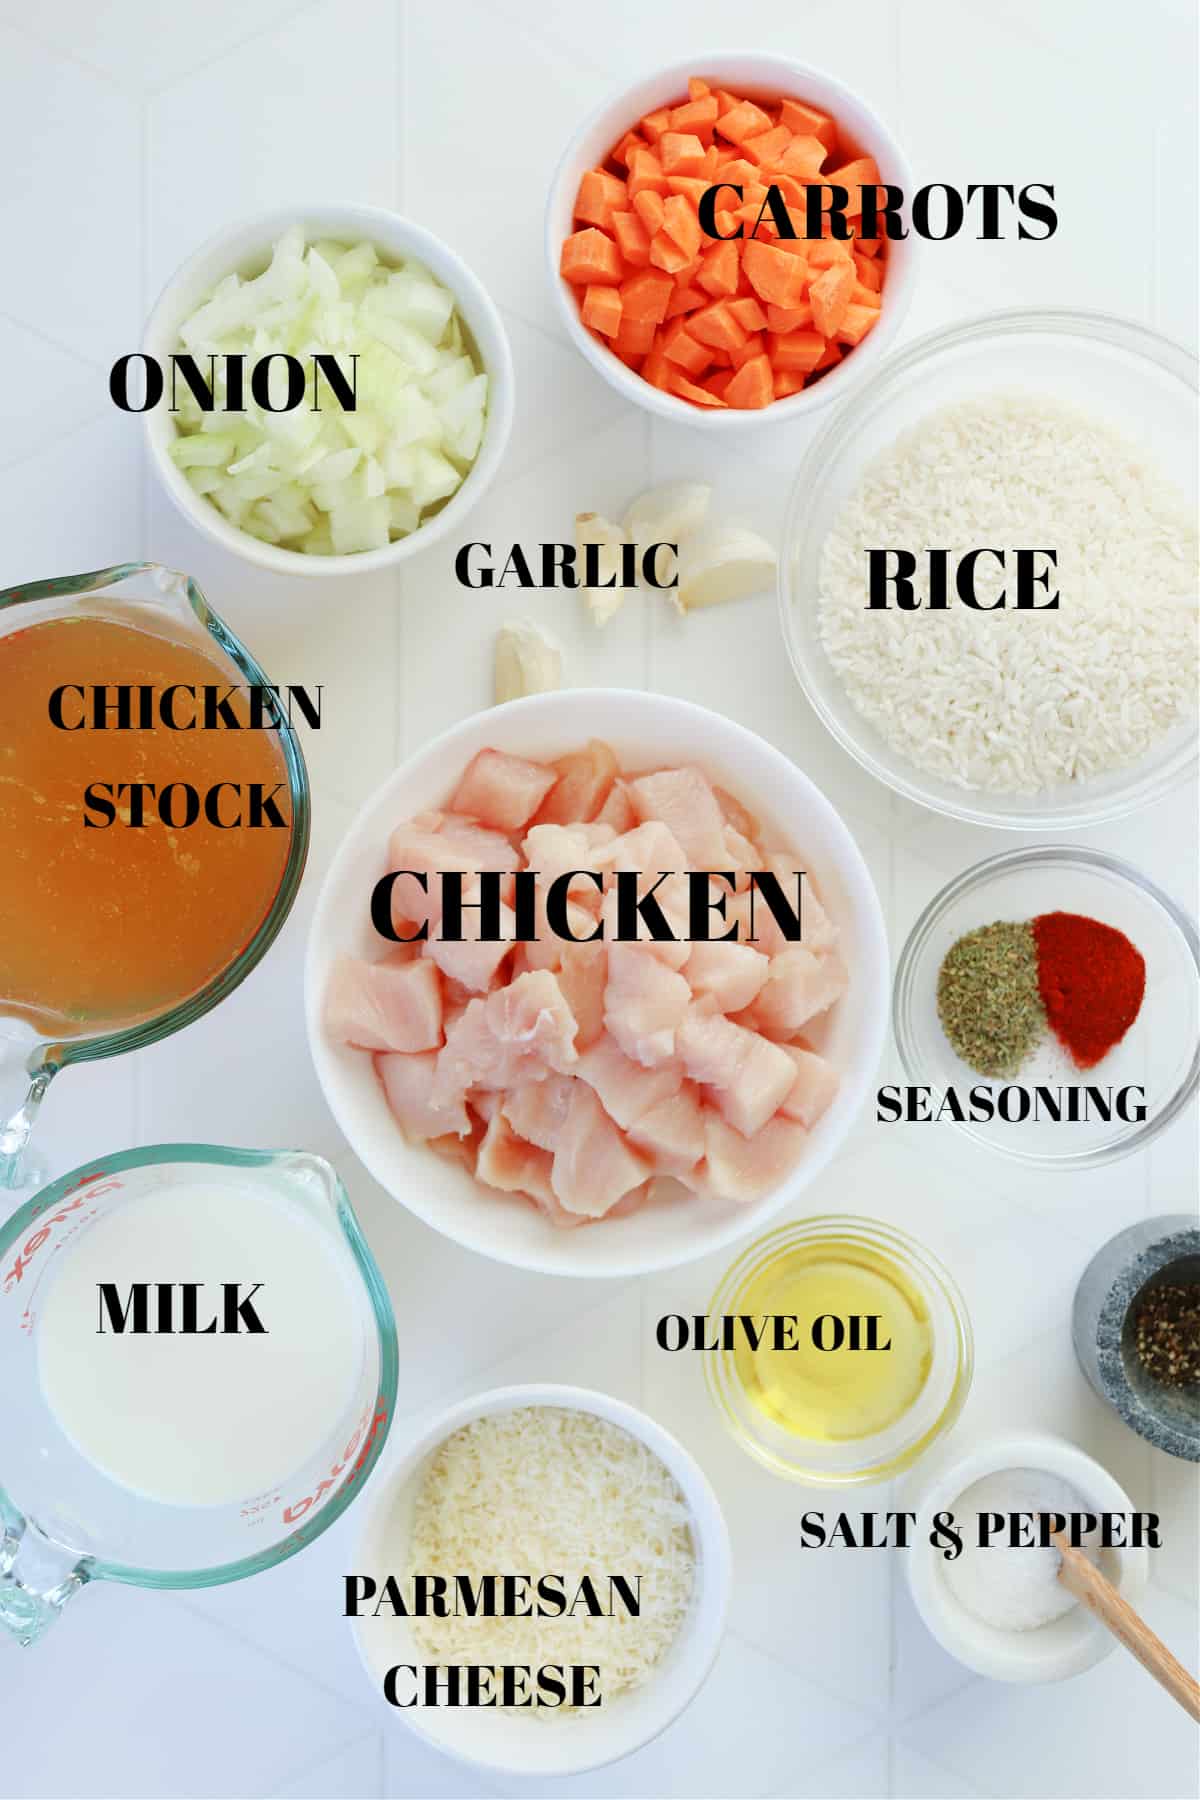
(1022, 430)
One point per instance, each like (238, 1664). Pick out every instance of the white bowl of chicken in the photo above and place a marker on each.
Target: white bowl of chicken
(614, 1106)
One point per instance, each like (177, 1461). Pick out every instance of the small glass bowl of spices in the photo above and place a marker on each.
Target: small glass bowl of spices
(1047, 1002)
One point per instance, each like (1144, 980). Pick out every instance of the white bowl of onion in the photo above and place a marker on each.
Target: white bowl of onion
(429, 435)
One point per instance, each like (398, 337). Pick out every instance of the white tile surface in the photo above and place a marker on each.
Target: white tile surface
(128, 133)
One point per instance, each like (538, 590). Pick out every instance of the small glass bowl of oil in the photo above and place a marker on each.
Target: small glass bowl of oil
(843, 1350)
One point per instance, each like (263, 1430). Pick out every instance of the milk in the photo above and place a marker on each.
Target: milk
(202, 1420)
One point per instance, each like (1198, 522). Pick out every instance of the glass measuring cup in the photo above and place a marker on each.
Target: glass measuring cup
(169, 605)
(63, 1521)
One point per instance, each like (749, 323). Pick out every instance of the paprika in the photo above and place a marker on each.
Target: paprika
(1091, 980)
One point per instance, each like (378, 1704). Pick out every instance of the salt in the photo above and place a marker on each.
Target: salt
(1014, 1588)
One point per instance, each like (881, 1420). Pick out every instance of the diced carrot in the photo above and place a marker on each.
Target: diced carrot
(856, 322)
(861, 295)
(687, 390)
(635, 336)
(645, 174)
(833, 354)
(752, 386)
(666, 254)
(719, 269)
(782, 319)
(787, 381)
(685, 300)
(722, 359)
(775, 276)
(828, 251)
(679, 346)
(755, 344)
(797, 350)
(602, 309)
(803, 158)
(766, 147)
(600, 194)
(745, 121)
(726, 102)
(657, 370)
(805, 120)
(870, 274)
(829, 297)
(748, 313)
(727, 224)
(697, 89)
(864, 246)
(627, 357)
(648, 205)
(718, 382)
(699, 115)
(633, 240)
(629, 143)
(588, 256)
(682, 153)
(717, 326)
(711, 165)
(692, 187)
(646, 295)
(798, 245)
(862, 172)
(655, 123)
(739, 171)
(681, 223)
(791, 190)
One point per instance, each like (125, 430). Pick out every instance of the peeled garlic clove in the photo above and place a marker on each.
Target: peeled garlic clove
(594, 528)
(526, 661)
(666, 515)
(723, 564)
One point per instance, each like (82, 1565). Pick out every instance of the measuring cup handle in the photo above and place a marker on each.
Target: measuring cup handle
(18, 1173)
(37, 1578)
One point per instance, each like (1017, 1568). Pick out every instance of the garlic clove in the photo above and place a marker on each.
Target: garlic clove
(667, 515)
(594, 528)
(725, 563)
(526, 661)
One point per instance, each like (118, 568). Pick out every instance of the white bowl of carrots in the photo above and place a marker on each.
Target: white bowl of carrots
(721, 333)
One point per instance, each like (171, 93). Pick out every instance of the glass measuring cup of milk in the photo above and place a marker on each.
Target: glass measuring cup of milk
(194, 1456)
(119, 930)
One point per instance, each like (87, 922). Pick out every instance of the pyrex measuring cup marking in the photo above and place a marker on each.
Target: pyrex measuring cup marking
(63, 1520)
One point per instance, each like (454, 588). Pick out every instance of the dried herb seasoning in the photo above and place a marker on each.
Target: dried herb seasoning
(1166, 1334)
(988, 998)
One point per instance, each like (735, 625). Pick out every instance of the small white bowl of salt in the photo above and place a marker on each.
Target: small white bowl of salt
(997, 1604)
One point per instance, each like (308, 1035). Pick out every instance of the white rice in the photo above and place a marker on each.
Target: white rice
(1016, 702)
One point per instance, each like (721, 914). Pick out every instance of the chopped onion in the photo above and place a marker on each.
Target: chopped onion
(330, 482)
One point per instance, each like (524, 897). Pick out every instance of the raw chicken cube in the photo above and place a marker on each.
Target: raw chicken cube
(385, 1005)
(670, 893)
(626, 1089)
(650, 849)
(593, 1165)
(798, 986)
(519, 1033)
(735, 814)
(510, 1163)
(617, 810)
(583, 978)
(537, 1110)
(815, 1085)
(502, 791)
(749, 1076)
(545, 951)
(671, 1134)
(731, 974)
(683, 800)
(554, 850)
(644, 1004)
(475, 961)
(585, 778)
(408, 1083)
(744, 1169)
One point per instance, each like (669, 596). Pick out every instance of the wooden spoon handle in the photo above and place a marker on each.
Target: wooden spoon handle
(1097, 1593)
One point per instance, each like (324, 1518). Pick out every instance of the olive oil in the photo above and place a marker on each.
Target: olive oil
(834, 1288)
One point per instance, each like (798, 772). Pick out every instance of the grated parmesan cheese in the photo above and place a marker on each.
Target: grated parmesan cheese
(546, 1490)
(1017, 702)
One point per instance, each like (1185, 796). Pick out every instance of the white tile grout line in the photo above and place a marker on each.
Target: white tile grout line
(272, 28)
